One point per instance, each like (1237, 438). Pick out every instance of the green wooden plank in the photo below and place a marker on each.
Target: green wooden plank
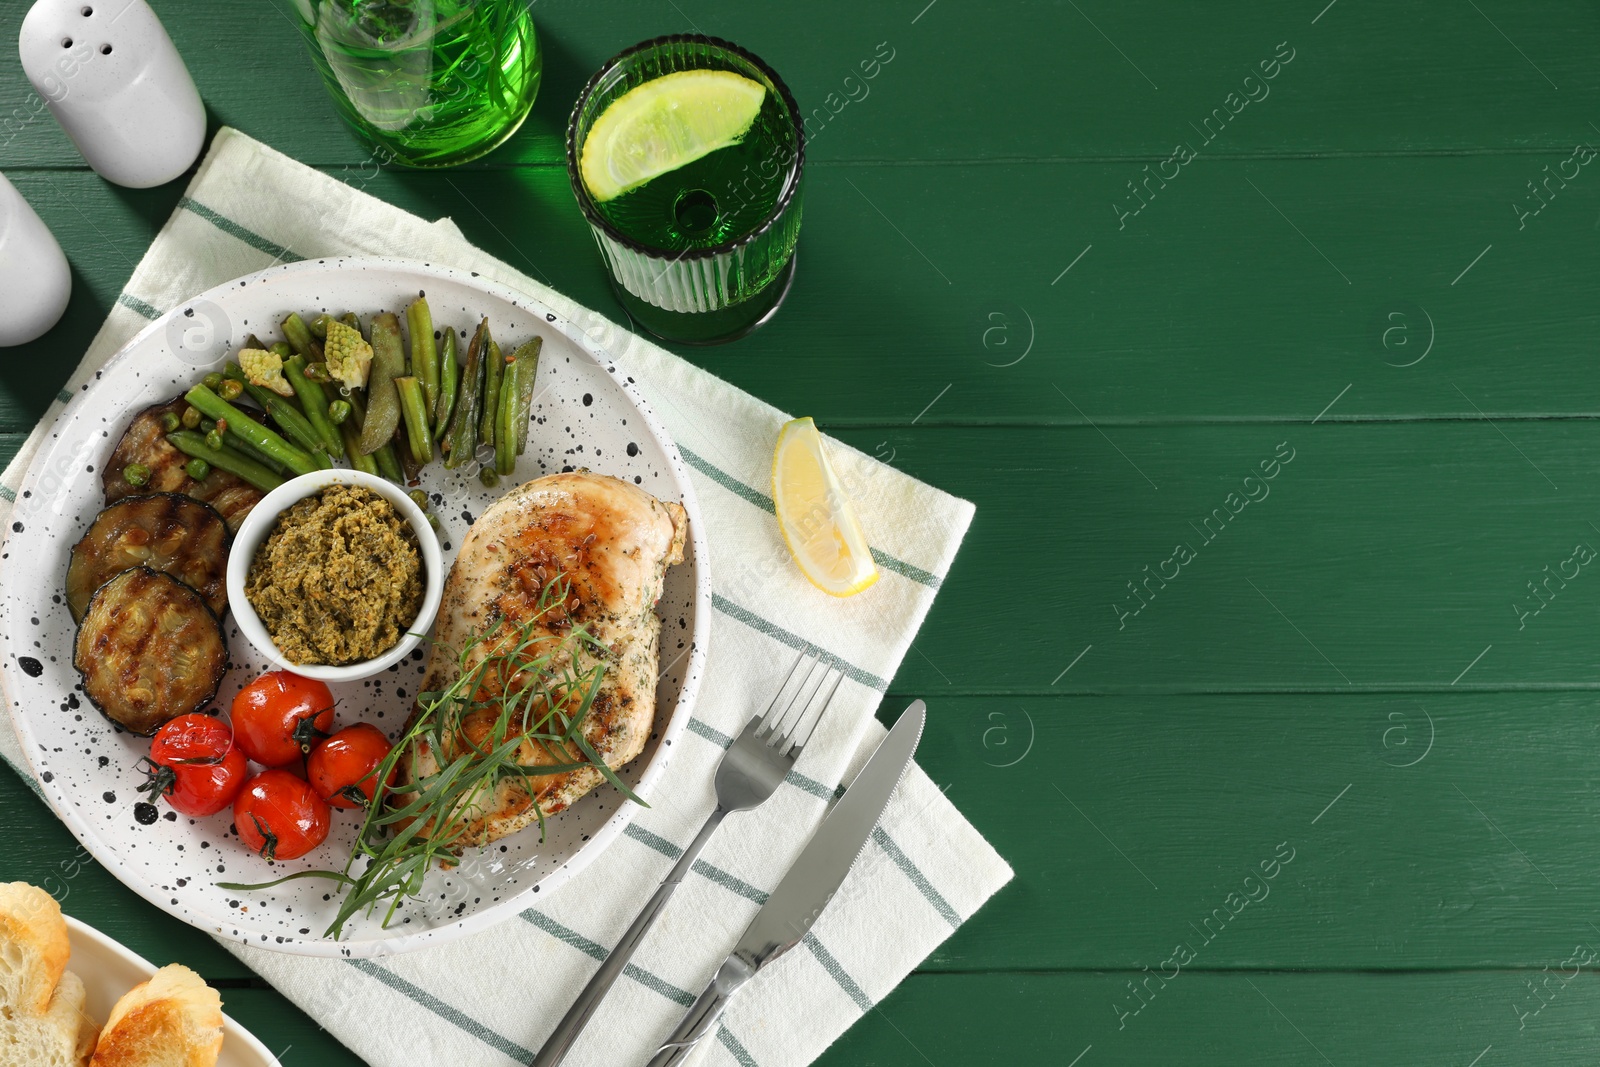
(1383, 557)
(1428, 831)
(1208, 306)
(1021, 80)
(1202, 1019)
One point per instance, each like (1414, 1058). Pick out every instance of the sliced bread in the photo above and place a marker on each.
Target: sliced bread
(42, 1021)
(172, 1020)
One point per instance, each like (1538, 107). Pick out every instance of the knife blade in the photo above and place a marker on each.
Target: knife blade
(810, 884)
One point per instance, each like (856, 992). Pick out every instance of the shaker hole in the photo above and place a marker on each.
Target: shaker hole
(66, 42)
(87, 11)
(105, 50)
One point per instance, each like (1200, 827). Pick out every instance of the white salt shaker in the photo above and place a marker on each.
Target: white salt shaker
(34, 279)
(113, 79)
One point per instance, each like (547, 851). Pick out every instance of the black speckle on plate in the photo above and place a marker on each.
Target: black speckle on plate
(144, 813)
(30, 666)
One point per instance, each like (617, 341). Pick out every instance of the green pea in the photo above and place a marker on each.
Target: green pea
(197, 469)
(136, 474)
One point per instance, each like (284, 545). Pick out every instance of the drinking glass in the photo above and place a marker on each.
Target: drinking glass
(705, 253)
(430, 83)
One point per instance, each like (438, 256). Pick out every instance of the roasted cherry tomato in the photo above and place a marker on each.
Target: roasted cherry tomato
(193, 764)
(280, 717)
(341, 768)
(280, 816)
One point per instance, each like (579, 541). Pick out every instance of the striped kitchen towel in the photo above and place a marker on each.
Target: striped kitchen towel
(493, 997)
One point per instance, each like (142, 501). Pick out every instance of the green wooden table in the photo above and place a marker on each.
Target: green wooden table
(1263, 337)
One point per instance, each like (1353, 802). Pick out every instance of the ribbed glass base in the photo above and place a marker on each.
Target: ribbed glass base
(710, 327)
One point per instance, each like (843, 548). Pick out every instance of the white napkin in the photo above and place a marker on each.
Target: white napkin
(493, 998)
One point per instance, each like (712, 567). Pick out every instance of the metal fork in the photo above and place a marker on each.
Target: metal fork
(751, 770)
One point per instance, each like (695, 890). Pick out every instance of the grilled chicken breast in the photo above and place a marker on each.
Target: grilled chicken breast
(612, 542)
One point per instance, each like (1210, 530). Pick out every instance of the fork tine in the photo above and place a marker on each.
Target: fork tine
(769, 721)
(793, 740)
(796, 708)
(822, 710)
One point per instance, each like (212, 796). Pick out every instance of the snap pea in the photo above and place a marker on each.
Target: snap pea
(192, 444)
(414, 407)
(383, 399)
(464, 424)
(249, 431)
(527, 357)
(384, 458)
(278, 409)
(505, 434)
(299, 335)
(315, 404)
(449, 382)
(493, 370)
(424, 355)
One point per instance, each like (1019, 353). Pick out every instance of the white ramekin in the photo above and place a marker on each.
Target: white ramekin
(258, 524)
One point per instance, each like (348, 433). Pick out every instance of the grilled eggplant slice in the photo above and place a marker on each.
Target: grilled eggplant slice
(168, 532)
(145, 442)
(149, 650)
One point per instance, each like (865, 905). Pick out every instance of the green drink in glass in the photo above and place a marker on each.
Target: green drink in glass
(686, 155)
(430, 83)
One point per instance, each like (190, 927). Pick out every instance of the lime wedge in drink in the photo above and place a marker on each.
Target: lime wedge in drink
(664, 124)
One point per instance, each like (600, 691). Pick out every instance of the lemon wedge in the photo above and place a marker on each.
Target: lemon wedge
(664, 124)
(818, 523)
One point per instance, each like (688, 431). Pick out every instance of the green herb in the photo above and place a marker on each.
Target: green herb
(535, 689)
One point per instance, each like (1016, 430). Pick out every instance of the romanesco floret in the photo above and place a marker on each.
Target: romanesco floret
(348, 354)
(265, 369)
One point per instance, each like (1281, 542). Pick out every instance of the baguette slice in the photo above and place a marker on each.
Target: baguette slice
(42, 1022)
(172, 1020)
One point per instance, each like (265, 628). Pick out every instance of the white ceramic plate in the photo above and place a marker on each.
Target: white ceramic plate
(586, 414)
(108, 970)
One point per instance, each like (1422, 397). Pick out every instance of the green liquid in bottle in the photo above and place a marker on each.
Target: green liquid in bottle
(429, 83)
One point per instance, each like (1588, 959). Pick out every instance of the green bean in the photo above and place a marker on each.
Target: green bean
(351, 433)
(424, 356)
(505, 434)
(527, 358)
(464, 424)
(383, 399)
(415, 409)
(279, 409)
(449, 381)
(299, 335)
(252, 341)
(389, 464)
(318, 372)
(352, 320)
(315, 404)
(493, 369)
(281, 349)
(250, 431)
(319, 326)
(488, 477)
(192, 444)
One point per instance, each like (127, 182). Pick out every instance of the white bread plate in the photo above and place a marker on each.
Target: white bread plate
(109, 970)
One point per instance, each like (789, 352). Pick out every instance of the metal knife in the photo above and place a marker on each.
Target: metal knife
(805, 891)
